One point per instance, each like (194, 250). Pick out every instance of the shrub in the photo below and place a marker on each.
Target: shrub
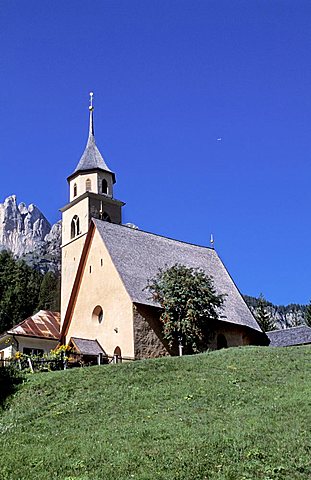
(10, 378)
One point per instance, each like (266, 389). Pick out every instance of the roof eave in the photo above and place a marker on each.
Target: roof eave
(93, 195)
(91, 170)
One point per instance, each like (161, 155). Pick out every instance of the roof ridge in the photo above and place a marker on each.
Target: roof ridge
(156, 235)
(289, 328)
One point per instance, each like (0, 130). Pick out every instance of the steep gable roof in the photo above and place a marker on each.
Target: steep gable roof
(43, 324)
(290, 336)
(138, 255)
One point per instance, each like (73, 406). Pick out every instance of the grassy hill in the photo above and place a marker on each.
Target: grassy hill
(238, 414)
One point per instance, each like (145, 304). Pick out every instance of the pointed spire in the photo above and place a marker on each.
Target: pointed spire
(91, 109)
(91, 158)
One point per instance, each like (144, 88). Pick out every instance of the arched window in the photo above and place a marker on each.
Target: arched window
(104, 186)
(221, 341)
(98, 314)
(106, 217)
(75, 226)
(88, 185)
(75, 190)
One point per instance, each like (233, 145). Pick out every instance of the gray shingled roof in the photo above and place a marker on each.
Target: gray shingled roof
(290, 336)
(138, 256)
(87, 347)
(92, 158)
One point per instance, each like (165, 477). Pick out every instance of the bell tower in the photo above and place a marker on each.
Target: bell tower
(90, 195)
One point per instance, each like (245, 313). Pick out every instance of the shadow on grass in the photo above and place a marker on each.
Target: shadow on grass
(10, 378)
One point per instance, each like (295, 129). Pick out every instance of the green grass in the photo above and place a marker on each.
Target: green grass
(241, 413)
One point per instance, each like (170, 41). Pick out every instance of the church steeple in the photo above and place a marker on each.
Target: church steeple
(91, 158)
(91, 196)
(92, 175)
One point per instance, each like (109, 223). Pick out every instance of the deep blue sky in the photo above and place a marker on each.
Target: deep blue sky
(170, 78)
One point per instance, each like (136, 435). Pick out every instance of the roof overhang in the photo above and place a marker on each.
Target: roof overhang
(91, 170)
(13, 334)
(98, 196)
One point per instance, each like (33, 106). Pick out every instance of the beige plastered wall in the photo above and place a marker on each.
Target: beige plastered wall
(72, 249)
(102, 286)
(71, 254)
(96, 184)
(81, 209)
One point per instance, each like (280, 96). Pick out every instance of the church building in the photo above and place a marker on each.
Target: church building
(105, 307)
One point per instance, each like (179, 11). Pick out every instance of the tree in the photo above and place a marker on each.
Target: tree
(49, 295)
(308, 315)
(19, 290)
(190, 305)
(296, 315)
(263, 317)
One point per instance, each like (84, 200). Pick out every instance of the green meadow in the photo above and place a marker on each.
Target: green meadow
(238, 414)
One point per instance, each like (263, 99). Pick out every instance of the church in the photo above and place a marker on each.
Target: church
(105, 307)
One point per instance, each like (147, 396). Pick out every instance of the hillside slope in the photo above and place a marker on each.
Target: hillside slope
(242, 413)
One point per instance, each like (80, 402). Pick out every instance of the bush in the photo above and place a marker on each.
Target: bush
(10, 378)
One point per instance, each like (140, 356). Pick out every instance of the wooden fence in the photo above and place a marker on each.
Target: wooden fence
(39, 364)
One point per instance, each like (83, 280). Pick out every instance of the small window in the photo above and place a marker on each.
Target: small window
(75, 190)
(101, 262)
(104, 186)
(75, 226)
(90, 269)
(98, 314)
(88, 185)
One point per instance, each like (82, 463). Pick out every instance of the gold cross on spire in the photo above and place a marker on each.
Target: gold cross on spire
(91, 108)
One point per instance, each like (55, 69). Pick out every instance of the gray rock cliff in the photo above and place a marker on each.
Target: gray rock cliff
(27, 234)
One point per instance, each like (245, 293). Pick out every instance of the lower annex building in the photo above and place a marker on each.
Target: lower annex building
(106, 267)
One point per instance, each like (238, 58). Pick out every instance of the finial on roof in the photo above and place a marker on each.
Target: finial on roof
(212, 240)
(91, 101)
(91, 109)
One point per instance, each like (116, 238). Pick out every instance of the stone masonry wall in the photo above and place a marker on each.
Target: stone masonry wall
(148, 341)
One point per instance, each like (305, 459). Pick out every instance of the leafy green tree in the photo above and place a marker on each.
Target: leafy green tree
(263, 316)
(49, 295)
(308, 314)
(190, 306)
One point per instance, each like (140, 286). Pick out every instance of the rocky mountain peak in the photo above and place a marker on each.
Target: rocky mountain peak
(24, 230)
